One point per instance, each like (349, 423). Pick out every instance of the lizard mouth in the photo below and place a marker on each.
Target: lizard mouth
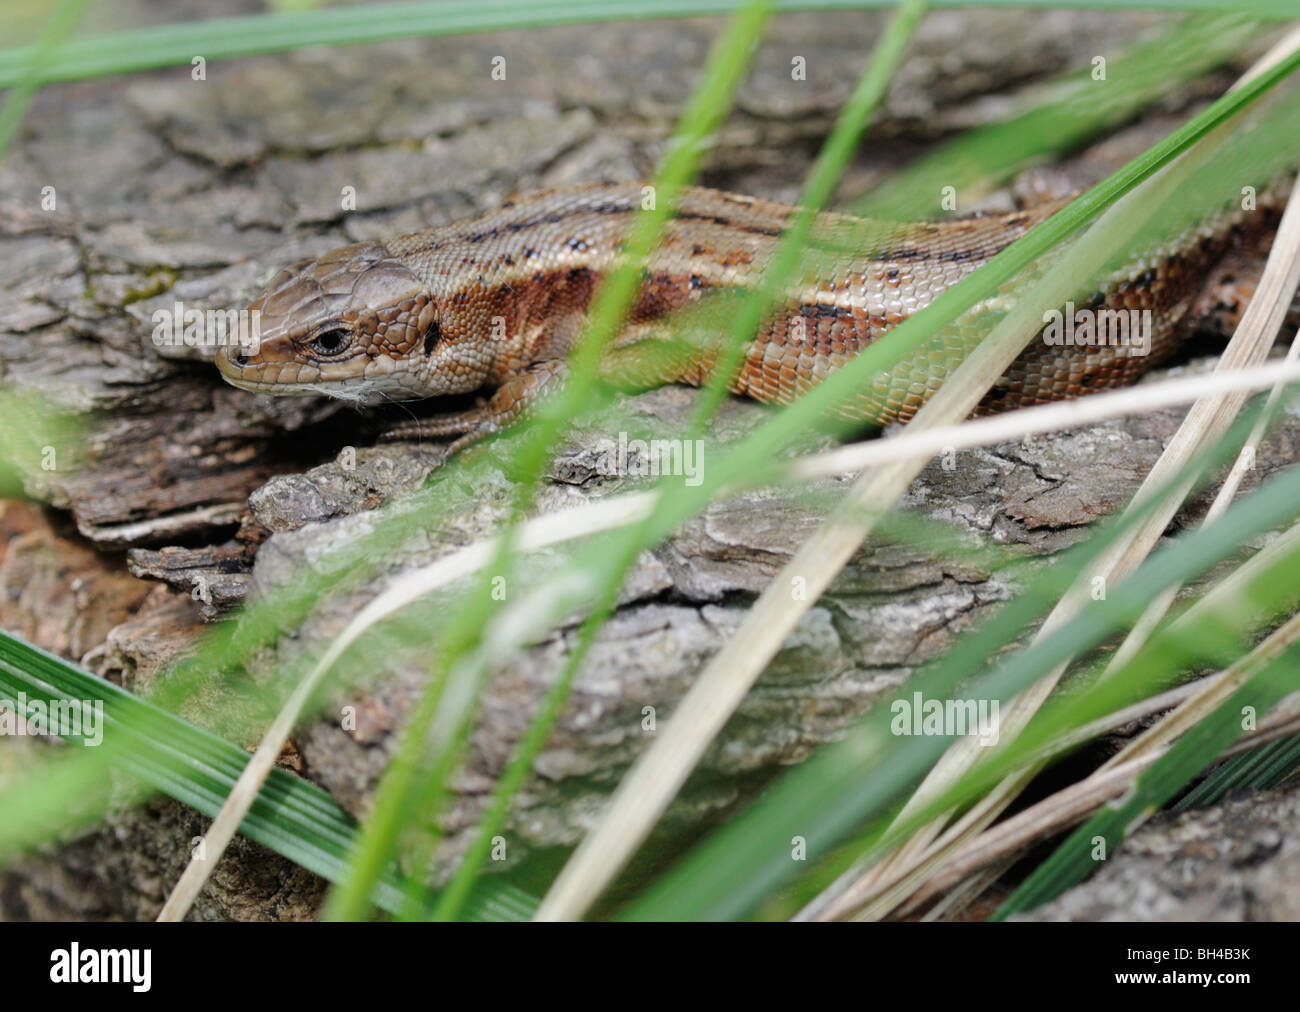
(249, 372)
(301, 379)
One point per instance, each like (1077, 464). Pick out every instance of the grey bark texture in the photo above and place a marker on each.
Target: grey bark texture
(199, 191)
(1235, 861)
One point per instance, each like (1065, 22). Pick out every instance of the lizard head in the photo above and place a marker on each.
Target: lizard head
(348, 324)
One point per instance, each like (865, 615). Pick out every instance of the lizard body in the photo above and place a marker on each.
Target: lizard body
(497, 301)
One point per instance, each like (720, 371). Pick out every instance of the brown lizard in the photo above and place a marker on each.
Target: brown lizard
(495, 302)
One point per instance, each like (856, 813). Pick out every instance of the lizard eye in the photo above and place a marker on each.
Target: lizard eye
(331, 342)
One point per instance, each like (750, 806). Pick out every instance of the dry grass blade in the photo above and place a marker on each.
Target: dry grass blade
(1145, 625)
(659, 773)
(537, 534)
(874, 493)
(620, 511)
(1210, 695)
(1229, 589)
(873, 892)
(958, 847)
(1067, 807)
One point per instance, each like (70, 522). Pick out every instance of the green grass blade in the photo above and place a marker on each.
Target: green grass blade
(1077, 108)
(817, 191)
(31, 66)
(1073, 861)
(414, 781)
(837, 789)
(227, 38)
(291, 816)
(1257, 770)
(666, 517)
(223, 648)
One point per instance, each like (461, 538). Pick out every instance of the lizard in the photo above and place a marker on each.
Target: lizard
(495, 303)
